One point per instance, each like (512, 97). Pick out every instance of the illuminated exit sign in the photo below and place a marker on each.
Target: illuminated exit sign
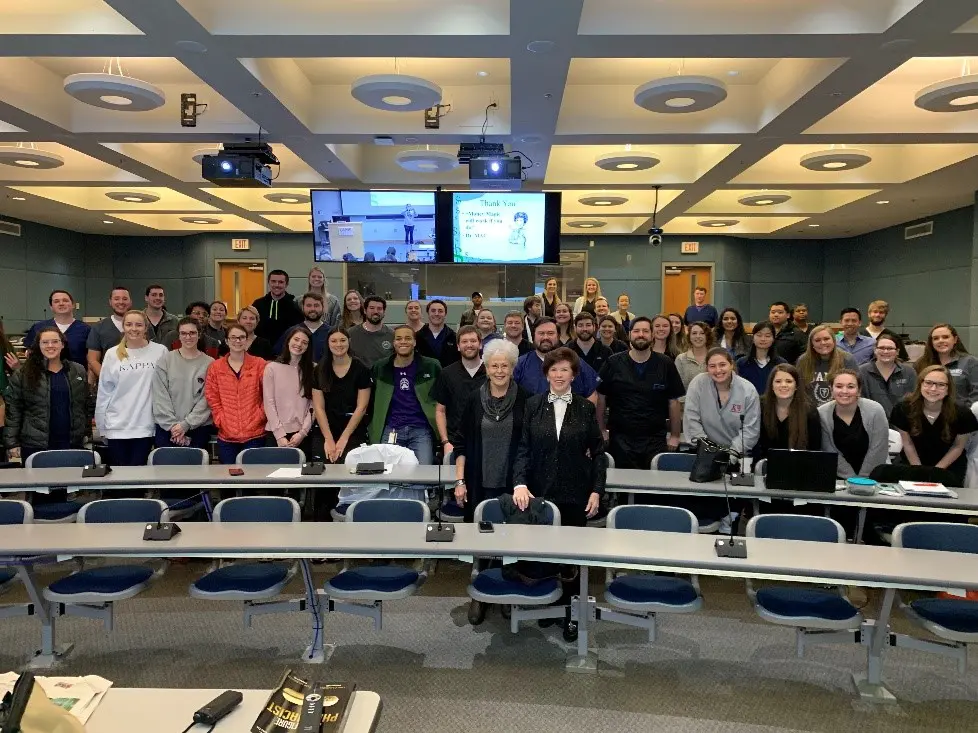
(240, 244)
(690, 248)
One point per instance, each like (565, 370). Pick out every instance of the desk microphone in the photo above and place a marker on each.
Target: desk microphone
(440, 532)
(742, 479)
(96, 470)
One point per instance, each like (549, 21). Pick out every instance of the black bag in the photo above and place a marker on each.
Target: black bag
(711, 461)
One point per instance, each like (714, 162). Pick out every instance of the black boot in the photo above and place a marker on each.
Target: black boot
(570, 629)
(477, 612)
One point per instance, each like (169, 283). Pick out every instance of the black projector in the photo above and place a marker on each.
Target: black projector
(235, 170)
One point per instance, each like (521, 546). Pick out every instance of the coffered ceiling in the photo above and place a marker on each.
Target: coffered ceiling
(763, 118)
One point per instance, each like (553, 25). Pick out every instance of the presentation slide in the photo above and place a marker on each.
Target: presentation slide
(386, 226)
(498, 227)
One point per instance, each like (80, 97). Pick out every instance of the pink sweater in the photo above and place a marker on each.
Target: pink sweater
(285, 407)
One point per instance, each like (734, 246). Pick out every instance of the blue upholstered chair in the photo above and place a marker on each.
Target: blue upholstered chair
(825, 615)
(253, 583)
(683, 463)
(91, 591)
(13, 512)
(527, 601)
(362, 590)
(449, 511)
(56, 512)
(635, 599)
(953, 620)
(271, 456)
(180, 507)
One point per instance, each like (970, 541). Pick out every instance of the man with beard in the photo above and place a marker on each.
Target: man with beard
(514, 332)
(789, 343)
(372, 341)
(313, 305)
(878, 311)
(107, 333)
(528, 372)
(436, 340)
(641, 391)
(456, 383)
(592, 352)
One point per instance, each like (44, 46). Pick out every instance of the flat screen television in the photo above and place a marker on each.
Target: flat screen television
(498, 227)
(373, 226)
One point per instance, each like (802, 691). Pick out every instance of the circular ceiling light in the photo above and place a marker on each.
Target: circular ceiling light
(426, 161)
(287, 198)
(840, 159)
(199, 153)
(603, 200)
(951, 95)
(200, 219)
(627, 161)
(113, 91)
(396, 92)
(106, 221)
(133, 197)
(764, 198)
(681, 94)
(586, 224)
(18, 198)
(718, 223)
(22, 156)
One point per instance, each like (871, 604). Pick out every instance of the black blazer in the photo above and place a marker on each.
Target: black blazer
(567, 470)
(449, 347)
(468, 441)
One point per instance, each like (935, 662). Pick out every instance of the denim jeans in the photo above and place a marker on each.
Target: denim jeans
(418, 440)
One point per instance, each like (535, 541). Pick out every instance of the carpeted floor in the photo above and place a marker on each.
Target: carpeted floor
(719, 670)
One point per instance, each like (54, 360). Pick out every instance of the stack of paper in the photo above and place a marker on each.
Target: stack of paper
(78, 695)
(925, 488)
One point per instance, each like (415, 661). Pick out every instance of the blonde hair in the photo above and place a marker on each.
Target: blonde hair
(597, 291)
(122, 350)
(806, 363)
(322, 288)
(250, 309)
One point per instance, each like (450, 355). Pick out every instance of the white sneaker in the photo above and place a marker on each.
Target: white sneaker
(726, 524)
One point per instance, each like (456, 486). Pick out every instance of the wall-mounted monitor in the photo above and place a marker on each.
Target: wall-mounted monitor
(373, 226)
(498, 227)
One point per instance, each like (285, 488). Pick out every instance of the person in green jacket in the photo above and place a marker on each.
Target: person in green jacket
(402, 398)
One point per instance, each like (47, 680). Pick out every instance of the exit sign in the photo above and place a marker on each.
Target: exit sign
(240, 244)
(690, 248)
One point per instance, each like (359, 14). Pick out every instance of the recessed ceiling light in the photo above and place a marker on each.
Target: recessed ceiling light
(200, 219)
(733, 72)
(837, 159)
(287, 198)
(191, 46)
(18, 198)
(764, 198)
(883, 201)
(426, 161)
(133, 197)
(482, 73)
(586, 224)
(627, 160)
(27, 155)
(106, 221)
(814, 225)
(951, 95)
(603, 200)
(718, 223)
(115, 91)
(199, 153)
(396, 92)
(681, 94)
(540, 46)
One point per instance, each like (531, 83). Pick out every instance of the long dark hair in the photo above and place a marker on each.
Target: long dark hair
(797, 409)
(324, 369)
(930, 357)
(915, 401)
(36, 365)
(738, 335)
(306, 364)
(760, 325)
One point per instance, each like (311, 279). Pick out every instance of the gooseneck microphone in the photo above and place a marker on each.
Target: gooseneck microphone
(742, 479)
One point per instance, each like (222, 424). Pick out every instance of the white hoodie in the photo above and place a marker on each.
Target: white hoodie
(124, 408)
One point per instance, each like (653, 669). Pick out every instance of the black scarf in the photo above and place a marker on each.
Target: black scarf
(498, 408)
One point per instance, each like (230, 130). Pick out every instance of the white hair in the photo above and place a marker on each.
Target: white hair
(504, 347)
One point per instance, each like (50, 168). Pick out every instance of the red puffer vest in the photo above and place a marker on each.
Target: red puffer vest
(236, 399)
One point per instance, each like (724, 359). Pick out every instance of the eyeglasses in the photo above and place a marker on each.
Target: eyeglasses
(935, 385)
(237, 338)
(188, 334)
(886, 348)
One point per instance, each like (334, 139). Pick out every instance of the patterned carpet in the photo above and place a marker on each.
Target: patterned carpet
(720, 670)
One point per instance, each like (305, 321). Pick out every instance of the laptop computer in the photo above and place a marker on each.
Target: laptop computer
(801, 470)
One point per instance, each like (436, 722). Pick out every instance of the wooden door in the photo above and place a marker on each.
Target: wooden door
(240, 284)
(678, 283)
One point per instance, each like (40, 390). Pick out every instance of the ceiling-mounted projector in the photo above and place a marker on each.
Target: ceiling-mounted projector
(240, 165)
(503, 173)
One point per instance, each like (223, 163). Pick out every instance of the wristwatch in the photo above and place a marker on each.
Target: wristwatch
(460, 482)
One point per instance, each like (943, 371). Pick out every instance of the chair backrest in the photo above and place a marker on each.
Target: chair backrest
(609, 460)
(674, 462)
(258, 509)
(13, 511)
(944, 536)
(178, 456)
(653, 518)
(891, 473)
(115, 511)
(895, 442)
(388, 510)
(489, 511)
(760, 468)
(271, 456)
(69, 458)
(796, 527)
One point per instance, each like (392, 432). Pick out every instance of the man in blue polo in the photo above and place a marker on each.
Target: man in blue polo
(852, 341)
(529, 369)
(76, 333)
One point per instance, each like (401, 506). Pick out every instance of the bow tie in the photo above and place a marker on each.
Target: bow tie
(551, 398)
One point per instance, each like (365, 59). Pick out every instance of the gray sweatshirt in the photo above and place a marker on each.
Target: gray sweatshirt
(178, 391)
(964, 372)
(901, 383)
(703, 417)
(877, 428)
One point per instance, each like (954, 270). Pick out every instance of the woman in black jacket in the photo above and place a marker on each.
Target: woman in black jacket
(49, 406)
(561, 454)
(788, 418)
